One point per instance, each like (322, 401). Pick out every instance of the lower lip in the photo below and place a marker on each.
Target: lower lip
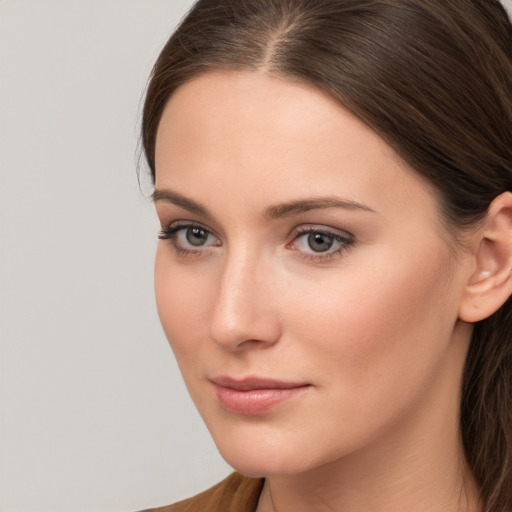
(255, 401)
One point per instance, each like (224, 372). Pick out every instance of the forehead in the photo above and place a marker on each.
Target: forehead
(217, 105)
(272, 140)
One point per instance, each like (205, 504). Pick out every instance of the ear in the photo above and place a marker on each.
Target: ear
(490, 284)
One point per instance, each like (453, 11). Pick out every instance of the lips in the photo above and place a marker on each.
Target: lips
(253, 396)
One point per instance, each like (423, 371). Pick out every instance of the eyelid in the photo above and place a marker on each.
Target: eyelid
(344, 238)
(320, 228)
(176, 225)
(173, 229)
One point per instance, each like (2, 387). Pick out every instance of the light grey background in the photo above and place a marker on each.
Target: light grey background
(93, 414)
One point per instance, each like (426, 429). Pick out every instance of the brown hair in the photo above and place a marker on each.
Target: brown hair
(434, 79)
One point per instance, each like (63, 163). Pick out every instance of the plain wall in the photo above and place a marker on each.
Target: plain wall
(93, 414)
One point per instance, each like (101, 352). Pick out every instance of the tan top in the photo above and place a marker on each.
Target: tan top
(237, 493)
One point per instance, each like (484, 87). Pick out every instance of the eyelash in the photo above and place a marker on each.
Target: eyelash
(345, 243)
(171, 233)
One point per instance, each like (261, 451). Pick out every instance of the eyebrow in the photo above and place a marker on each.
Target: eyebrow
(314, 203)
(273, 212)
(170, 196)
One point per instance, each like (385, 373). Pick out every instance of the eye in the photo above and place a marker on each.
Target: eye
(317, 243)
(195, 236)
(189, 237)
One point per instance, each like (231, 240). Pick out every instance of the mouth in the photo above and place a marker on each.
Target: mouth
(252, 396)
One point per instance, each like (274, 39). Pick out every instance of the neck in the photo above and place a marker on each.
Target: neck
(417, 464)
(391, 482)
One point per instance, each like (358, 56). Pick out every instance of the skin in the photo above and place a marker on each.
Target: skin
(371, 326)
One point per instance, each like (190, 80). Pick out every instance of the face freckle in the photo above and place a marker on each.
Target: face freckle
(363, 321)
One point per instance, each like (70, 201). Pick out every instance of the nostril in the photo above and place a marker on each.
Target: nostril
(242, 317)
(252, 330)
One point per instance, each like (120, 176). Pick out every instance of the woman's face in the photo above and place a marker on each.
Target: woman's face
(304, 279)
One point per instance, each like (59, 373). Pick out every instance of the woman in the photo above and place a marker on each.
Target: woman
(334, 269)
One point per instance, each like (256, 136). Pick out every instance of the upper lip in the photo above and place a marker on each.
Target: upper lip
(252, 383)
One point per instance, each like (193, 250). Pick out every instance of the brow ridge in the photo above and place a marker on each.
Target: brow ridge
(273, 212)
(180, 200)
(317, 203)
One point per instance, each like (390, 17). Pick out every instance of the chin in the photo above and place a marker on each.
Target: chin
(262, 465)
(269, 455)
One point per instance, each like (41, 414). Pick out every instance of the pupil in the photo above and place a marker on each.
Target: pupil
(320, 242)
(196, 236)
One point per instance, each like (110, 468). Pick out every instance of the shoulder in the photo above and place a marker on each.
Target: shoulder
(237, 493)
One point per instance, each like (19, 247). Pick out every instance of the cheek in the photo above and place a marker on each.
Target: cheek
(374, 329)
(180, 299)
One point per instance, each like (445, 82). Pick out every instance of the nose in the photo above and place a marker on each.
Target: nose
(245, 313)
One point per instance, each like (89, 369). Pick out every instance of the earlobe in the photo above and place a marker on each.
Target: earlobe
(490, 284)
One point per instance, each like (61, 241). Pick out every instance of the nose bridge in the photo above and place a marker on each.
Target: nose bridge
(242, 311)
